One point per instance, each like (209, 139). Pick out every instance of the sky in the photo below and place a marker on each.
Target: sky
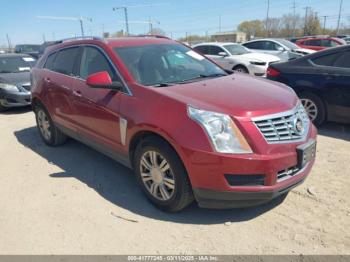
(19, 18)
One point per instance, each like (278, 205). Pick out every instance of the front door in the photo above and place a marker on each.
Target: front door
(97, 109)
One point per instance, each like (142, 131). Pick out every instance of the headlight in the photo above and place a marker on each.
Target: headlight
(257, 63)
(222, 131)
(8, 87)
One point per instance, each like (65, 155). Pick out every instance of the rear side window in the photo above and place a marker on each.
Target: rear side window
(343, 61)
(64, 61)
(254, 45)
(93, 61)
(204, 49)
(49, 61)
(314, 42)
(326, 60)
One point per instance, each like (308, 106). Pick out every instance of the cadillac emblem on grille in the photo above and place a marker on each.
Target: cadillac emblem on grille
(298, 125)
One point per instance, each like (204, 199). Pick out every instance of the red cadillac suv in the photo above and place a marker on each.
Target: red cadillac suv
(189, 129)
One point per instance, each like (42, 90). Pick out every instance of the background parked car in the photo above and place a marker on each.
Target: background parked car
(15, 80)
(236, 57)
(282, 48)
(320, 43)
(32, 50)
(322, 81)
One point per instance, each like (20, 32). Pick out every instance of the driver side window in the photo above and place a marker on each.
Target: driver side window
(93, 61)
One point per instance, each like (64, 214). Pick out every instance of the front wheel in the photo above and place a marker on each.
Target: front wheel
(161, 175)
(241, 69)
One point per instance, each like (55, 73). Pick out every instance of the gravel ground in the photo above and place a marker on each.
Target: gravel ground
(74, 200)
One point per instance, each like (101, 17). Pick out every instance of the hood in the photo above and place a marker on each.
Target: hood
(15, 78)
(238, 95)
(260, 57)
(304, 51)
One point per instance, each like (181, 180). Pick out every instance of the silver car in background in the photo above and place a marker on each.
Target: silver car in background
(284, 49)
(236, 57)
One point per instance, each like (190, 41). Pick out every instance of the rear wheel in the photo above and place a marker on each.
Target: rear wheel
(162, 176)
(47, 129)
(314, 107)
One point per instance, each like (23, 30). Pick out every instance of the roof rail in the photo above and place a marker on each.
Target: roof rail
(52, 43)
(77, 38)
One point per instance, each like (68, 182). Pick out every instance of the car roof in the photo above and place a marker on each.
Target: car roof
(217, 43)
(112, 42)
(13, 55)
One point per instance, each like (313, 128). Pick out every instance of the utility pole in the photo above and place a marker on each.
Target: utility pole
(294, 17)
(306, 16)
(324, 22)
(339, 16)
(81, 27)
(267, 18)
(44, 38)
(9, 42)
(125, 17)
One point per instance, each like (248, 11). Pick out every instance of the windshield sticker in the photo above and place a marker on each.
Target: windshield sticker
(195, 55)
(24, 69)
(28, 59)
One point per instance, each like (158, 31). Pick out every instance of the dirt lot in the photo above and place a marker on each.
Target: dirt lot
(73, 200)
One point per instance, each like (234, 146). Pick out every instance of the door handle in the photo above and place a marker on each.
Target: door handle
(47, 80)
(77, 93)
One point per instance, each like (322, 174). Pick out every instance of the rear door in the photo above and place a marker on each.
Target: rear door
(59, 73)
(97, 109)
(336, 80)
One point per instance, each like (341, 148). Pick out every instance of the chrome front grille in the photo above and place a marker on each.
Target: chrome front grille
(283, 127)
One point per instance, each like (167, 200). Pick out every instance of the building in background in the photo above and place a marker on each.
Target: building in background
(230, 36)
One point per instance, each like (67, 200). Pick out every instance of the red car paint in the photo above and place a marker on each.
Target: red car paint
(319, 43)
(95, 113)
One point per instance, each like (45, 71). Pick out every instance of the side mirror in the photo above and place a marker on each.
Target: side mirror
(223, 54)
(102, 80)
(280, 48)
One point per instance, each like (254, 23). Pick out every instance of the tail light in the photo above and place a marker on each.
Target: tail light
(271, 72)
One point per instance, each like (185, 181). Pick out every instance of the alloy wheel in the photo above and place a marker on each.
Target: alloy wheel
(310, 107)
(157, 176)
(44, 125)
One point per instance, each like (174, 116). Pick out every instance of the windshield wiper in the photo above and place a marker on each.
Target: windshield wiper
(163, 84)
(202, 76)
(6, 72)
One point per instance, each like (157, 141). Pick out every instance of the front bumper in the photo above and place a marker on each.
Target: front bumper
(209, 172)
(15, 99)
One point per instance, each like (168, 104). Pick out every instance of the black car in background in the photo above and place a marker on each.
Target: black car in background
(321, 80)
(15, 80)
(32, 50)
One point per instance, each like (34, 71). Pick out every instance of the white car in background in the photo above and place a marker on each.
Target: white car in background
(236, 57)
(284, 49)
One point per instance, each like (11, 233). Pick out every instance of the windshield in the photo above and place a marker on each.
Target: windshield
(235, 49)
(161, 64)
(288, 44)
(28, 48)
(16, 64)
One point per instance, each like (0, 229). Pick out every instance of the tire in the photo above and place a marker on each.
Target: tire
(52, 136)
(172, 194)
(3, 109)
(240, 69)
(314, 106)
